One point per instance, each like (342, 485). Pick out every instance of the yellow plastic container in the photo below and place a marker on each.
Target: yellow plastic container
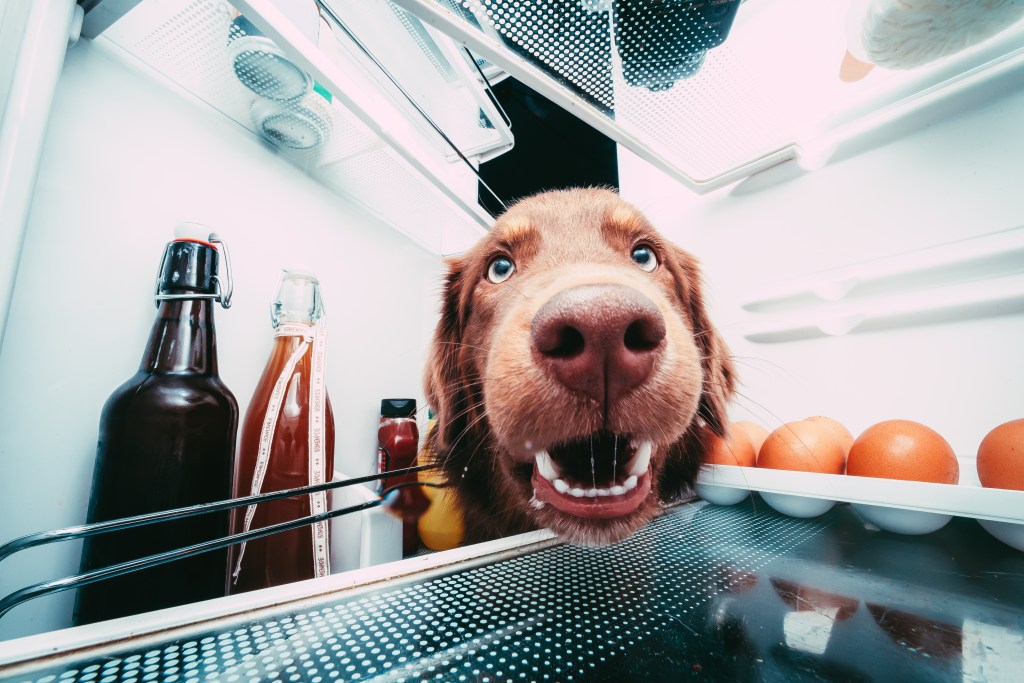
(441, 527)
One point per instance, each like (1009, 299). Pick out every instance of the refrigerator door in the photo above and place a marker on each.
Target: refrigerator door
(33, 40)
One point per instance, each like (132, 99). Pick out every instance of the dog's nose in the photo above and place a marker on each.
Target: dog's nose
(598, 340)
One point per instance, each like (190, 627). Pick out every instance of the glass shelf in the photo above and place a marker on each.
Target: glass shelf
(712, 91)
(719, 593)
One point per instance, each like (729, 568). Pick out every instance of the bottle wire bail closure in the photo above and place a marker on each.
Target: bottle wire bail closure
(221, 294)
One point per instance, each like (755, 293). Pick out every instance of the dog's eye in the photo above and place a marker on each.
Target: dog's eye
(500, 269)
(644, 257)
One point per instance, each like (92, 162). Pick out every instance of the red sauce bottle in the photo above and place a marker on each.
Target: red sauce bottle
(397, 448)
(287, 441)
(166, 440)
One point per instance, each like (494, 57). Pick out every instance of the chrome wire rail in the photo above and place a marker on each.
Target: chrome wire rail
(14, 599)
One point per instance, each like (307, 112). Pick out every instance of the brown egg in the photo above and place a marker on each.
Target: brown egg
(903, 449)
(755, 433)
(802, 446)
(841, 433)
(1001, 457)
(733, 450)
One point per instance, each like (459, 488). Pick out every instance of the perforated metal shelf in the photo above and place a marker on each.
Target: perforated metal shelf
(713, 593)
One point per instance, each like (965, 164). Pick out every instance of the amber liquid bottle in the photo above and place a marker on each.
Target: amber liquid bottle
(166, 440)
(277, 452)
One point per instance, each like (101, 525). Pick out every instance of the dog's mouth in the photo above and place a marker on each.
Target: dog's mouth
(601, 476)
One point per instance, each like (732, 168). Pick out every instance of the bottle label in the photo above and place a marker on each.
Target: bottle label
(317, 448)
(383, 462)
(315, 336)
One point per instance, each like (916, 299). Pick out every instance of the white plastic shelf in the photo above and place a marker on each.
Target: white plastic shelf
(968, 279)
(901, 506)
(992, 255)
(962, 500)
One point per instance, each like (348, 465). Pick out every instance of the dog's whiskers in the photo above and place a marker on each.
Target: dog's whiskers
(478, 379)
(762, 364)
(517, 291)
(758, 404)
(459, 344)
(615, 456)
(593, 471)
(467, 430)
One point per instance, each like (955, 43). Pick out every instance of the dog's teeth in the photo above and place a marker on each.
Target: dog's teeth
(576, 492)
(629, 484)
(639, 462)
(591, 493)
(616, 490)
(561, 486)
(604, 492)
(545, 465)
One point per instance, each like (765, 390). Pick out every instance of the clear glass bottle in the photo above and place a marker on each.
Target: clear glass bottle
(166, 440)
(287, 441)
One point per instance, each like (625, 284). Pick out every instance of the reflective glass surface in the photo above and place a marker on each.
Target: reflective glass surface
(705, 593)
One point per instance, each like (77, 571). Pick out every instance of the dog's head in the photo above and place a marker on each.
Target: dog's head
(572, 368)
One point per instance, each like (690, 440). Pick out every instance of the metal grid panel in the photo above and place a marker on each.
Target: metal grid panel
(564, 39)
(559, 614)
(649, 67)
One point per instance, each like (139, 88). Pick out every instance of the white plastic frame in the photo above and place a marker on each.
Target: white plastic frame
(359, 94)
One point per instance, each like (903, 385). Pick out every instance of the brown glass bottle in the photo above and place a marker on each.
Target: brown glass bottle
(166, 440)
(398, 441)
(285, 556)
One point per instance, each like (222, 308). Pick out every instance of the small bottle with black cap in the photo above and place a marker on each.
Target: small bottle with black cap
(167, 440)
(397, 448)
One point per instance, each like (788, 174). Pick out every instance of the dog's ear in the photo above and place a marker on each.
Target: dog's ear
(716, 361)
(685, 455)
(443, 382)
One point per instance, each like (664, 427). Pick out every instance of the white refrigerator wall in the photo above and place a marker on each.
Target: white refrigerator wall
(945, 182)
(127, 156)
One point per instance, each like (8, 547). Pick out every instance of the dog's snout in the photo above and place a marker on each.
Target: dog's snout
(598, 340)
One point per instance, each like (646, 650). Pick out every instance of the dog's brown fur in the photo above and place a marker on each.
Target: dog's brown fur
(495, 405)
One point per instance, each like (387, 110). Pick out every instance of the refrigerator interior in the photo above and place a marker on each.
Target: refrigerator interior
(129, 153)
(949, 183)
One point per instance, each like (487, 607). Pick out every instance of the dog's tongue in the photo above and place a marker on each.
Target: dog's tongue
(604, 507)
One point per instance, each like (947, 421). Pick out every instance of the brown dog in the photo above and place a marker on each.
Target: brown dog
(572, 370)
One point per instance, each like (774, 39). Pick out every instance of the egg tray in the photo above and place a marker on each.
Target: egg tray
(903, 507)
